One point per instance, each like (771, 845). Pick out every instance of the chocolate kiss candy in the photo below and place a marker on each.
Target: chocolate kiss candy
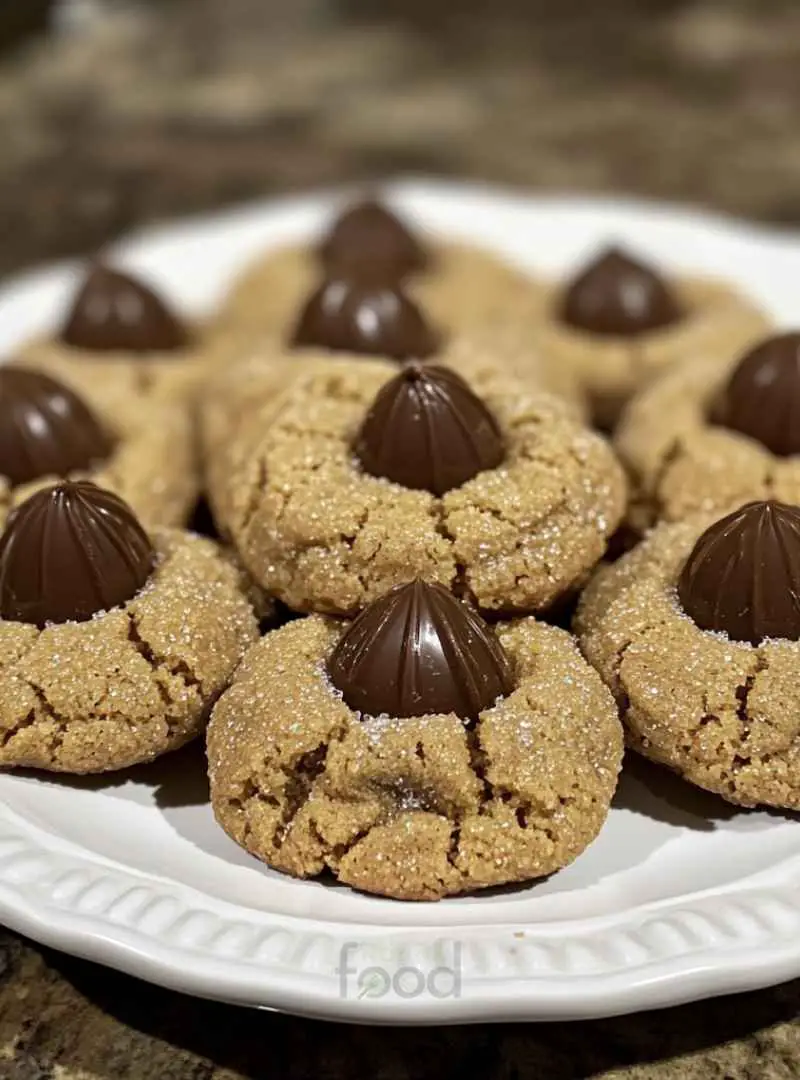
(45, 429)
(762, 397)
(368, 241)
(418, 651)
(427, 430)
(68, 552)
(114, 312)
(373, 320)
(743, 575)
(618, 296)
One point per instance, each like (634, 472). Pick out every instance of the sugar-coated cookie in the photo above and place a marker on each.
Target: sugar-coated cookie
(416, 753)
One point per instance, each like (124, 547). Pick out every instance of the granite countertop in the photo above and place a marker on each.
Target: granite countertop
(141, 111)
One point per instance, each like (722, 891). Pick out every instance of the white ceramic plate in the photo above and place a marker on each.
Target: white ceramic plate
(680, 897)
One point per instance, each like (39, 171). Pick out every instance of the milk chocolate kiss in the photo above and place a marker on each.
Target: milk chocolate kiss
(367, 239)
(115, 312)
(743, 575)
(618, 296)
(46, 429)
(68, 552)
(427, 430)
(418, 651)
(762, 397)
(367, 318)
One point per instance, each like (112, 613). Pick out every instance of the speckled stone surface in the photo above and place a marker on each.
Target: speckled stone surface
(174, 106)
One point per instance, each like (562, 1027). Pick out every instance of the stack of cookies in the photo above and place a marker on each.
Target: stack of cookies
(402, 447)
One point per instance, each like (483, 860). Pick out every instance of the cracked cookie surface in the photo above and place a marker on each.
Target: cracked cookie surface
(723, 714)
(322, 535)
(420, 808)
(681, 463)
(718, 322)
(131, 683)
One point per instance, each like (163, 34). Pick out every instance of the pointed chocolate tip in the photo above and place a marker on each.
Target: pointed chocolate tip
(68, 552)
(742, 577)
(116, 312)
(419, 651)
(618, 295)
(370, 242)
(428, 431)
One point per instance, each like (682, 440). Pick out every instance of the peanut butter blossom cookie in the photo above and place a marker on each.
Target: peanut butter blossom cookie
(120, 340)
(618, 323)
(462, 286)
(708, 435)
(415, 752)
(697, 632)
(114, 642)
(361, 475)
(142, 452)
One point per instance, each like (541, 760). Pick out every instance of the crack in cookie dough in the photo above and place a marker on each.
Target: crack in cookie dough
(61, 723)
(178, 669)
(723, 714)
(416, 808)
(299, 785)
(27, 721)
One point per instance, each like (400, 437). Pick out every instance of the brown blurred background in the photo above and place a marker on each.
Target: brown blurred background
(152, 108)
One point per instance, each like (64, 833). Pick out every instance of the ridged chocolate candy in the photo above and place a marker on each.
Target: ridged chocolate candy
(367, 239)
(115, 312)
(427, 430)
(762, 396)
(68, 552)
(743, 575)
(418, 651)
(45, 429)
(370, 319)
(618, 296)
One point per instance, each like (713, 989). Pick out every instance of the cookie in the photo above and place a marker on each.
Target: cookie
(360, 476)
(115, 643)
(415, 753)
(618, 324)
(460, 285)
(120, 341)
(696, 633)
(143, 451)
(710, 434)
